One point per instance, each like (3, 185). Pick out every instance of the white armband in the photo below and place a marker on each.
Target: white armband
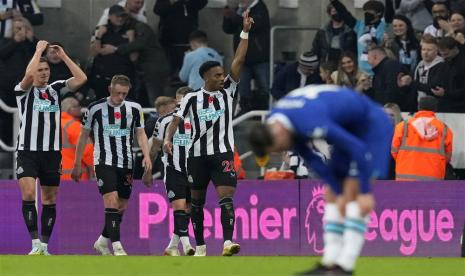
(244, 35)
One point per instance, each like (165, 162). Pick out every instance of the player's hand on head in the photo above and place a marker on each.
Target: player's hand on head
(247, 22)
(41, 45)
(59, 50)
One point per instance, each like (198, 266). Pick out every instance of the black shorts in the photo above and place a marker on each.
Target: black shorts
(45, 165)
(176, 185)
(110, 179)
(218, 168)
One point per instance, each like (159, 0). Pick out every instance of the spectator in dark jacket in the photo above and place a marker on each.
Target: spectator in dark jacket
(454, 98)
(258, 54)
(15, 54)
(152, 61)
(430, 78)
(391, 83)
(18, 8)
(297, 74)
(178, 19)
(334, 38)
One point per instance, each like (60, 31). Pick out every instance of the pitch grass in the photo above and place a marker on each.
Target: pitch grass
(186, 266)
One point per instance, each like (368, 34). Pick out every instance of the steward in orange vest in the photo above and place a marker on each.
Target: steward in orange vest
(422, 146)
(70, 131)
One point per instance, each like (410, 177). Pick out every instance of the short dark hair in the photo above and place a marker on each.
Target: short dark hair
(428, 103)
(374, 5)
(378, 49)
(260, 138)
(43, 59)
(429, 39)
(447, 43)
(199, 36)
(204, 68)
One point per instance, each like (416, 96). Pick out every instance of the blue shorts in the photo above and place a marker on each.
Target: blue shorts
(377, 136)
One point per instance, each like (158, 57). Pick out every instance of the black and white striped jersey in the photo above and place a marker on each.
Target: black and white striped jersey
(40, 117)
(113, 128)
(181, 142)
(210, 114)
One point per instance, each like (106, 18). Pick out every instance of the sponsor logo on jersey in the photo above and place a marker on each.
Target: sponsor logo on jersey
(209, 114)
(19, 170)
(100, 183)
(171, 194)
(44, 106)
(115, 130)
(181, 139)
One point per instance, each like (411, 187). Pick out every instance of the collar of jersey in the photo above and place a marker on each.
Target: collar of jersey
(112, 105)
(210, 92)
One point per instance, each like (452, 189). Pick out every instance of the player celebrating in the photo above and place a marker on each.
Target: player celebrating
(360, 134)
(113, 122)
(39, 140)
(211, 155)
(175, 173)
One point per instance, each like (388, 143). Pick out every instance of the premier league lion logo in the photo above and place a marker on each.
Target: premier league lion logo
(314, 219)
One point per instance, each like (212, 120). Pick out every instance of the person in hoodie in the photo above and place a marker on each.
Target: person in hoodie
(430, 76)
(422, 146)
(370, 31)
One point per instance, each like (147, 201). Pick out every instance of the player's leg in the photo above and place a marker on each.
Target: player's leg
(176, 186)
(225, 180)
(198, 178)
(27, 172)
(106, 183)
(49, 177)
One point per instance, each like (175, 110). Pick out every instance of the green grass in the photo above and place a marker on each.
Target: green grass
(184, 266)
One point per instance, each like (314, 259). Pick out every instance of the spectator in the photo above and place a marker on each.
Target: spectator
(70, 131)
(422, 146)
(390, 82)
(178, 19)
(413, 9)
(349, 75)
(326, 69)
(58, 69)
(454, 98)
(136, 8)
(404, 45)
(430, 76)
(393, 111)
(257, 60)
(12, 9)
(370, 31)
(456, 27)
(107, 61)
(200, 54)
(151, 61)
(15, 54)
(297, 74)
(440, 11)
(334, 39)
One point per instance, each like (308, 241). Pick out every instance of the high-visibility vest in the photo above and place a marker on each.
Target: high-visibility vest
(70, 129)
(238, 165)
(418, 158)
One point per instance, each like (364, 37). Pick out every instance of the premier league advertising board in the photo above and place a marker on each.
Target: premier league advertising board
(272, 218)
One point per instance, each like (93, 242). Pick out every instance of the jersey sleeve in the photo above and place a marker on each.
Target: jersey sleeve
(139, 122)
(61, 86)
(230, 86)
(158, 131)
(88, 118)
(19, 91)
(185, 106)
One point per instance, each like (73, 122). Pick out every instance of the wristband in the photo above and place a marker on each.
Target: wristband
(244, 35)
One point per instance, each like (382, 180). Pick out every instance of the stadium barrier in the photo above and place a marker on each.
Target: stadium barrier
(272, 218)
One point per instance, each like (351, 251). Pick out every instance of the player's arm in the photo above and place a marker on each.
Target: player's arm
(241, 51)
(79, 77)
(81, 144)
(28, 79)
(144, 145)
(172, 127)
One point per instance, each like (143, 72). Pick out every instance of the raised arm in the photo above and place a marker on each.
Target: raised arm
(31, 68)
(241, 51)
(81, 144)
(79, 77)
